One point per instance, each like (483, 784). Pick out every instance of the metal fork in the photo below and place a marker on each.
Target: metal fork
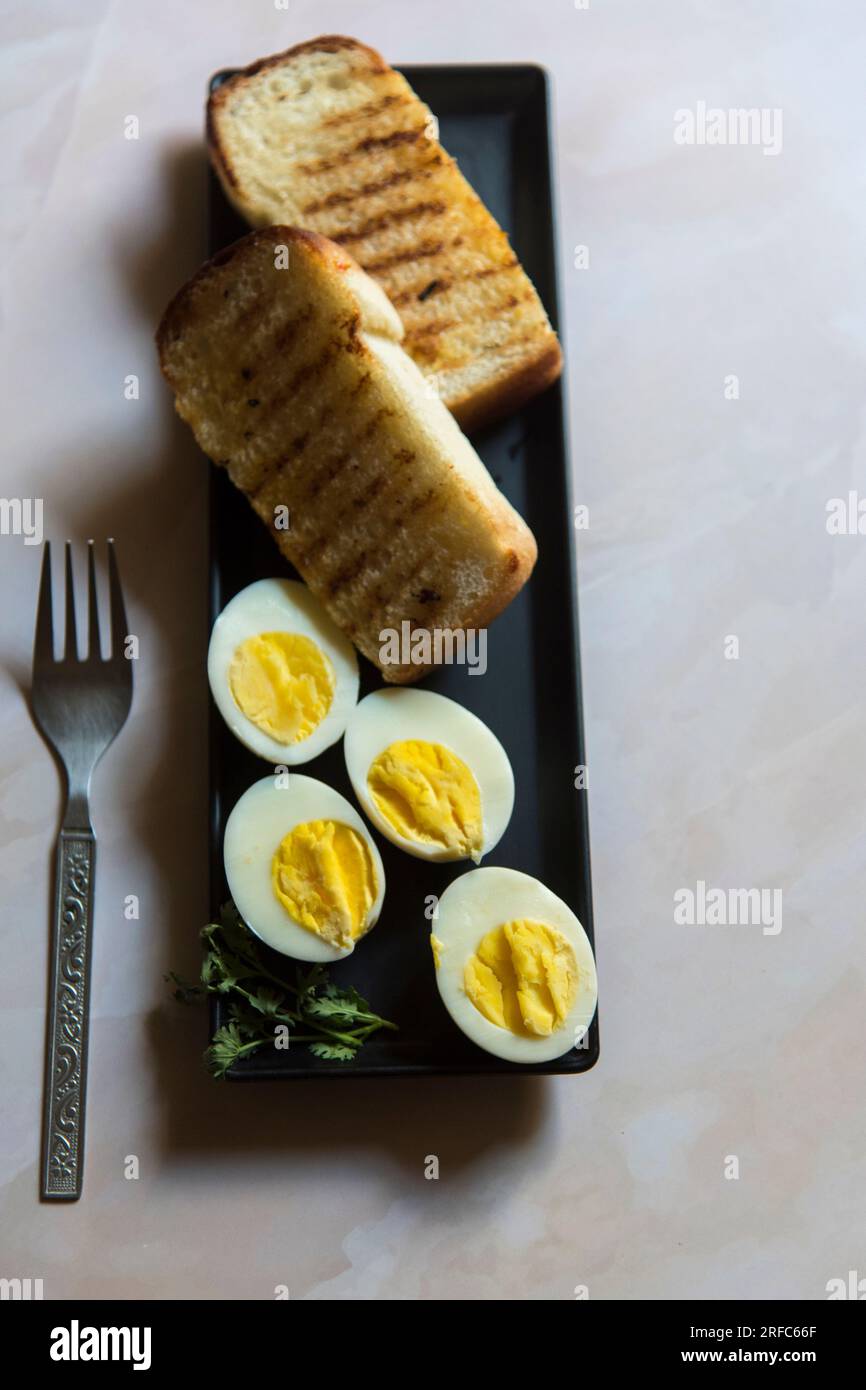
(79, 704)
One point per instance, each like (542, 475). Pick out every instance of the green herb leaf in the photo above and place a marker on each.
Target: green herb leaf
(335, 1022)
(333, 1052)
(268, 1001)
(226, 1048)
(332, 1008)
(311, 980)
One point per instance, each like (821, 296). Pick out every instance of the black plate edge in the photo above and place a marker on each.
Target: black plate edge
(497, 1067)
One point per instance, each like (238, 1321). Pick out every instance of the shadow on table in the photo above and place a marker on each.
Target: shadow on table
(461, 1119)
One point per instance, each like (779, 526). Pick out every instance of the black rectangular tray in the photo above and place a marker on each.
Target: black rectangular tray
(495, 121)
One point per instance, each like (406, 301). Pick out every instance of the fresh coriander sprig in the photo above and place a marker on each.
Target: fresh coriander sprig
(333, 1022)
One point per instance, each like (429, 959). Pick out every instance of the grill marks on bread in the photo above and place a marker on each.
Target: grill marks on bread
(279, 376)
(387, 221)
(328, 136)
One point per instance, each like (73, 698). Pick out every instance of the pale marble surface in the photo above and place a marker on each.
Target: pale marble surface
(707, 519)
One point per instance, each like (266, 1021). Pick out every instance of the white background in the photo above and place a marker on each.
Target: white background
(707, 519)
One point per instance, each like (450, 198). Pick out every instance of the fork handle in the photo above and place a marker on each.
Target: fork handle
(68, 1018)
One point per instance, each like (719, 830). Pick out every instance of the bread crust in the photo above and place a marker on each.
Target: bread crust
(504, 397)
(327, 43)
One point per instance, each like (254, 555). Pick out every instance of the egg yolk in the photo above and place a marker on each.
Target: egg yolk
(323, 874)
(429, 796)
(284, 684)
(523, 977)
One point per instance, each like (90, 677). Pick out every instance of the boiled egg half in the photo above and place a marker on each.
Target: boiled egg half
(302, 868)
(283, 676)
(514, 966)
(430, 775)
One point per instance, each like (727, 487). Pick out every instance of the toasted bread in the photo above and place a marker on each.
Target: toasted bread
(328, 136)
(285, 360)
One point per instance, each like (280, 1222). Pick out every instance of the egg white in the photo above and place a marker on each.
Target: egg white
(281, 605)
(472, 906)
(262, 817)
(392, 716)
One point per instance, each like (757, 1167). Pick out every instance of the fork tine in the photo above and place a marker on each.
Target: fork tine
(94, 647)
(118, 612)
(70, 651)
(43, 645)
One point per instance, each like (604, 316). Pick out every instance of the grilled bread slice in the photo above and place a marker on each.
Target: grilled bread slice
(285, 360)
(328, 136)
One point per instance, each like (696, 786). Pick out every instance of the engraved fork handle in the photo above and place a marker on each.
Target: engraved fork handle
(68, 1015)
